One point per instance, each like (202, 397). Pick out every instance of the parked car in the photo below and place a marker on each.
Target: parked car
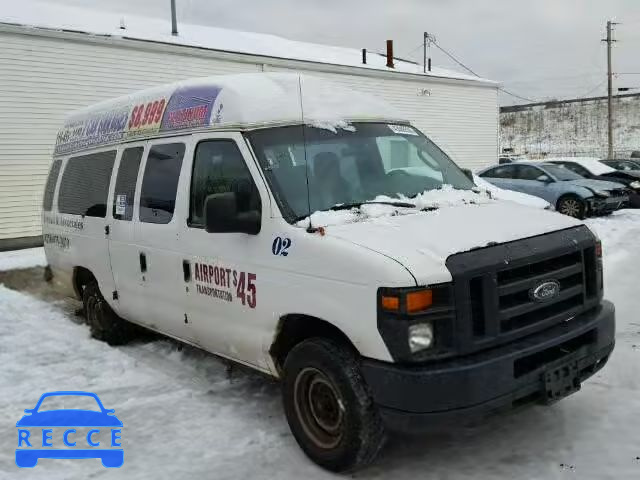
(311, 245)
(595, 169)
(624, 164)
(512, 195)
(570, 193)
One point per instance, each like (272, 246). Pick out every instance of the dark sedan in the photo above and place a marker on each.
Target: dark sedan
(624, 164)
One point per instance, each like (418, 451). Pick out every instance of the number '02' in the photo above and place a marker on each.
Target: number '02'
(280, 246)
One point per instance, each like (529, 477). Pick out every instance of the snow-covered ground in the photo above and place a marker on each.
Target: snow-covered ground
(16, 259)
(183, 418)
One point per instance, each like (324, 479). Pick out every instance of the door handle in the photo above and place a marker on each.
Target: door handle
(186, 270)
(143, 262)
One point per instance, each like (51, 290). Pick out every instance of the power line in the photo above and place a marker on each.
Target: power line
(502, 89)
(454, 59)
(593, 89)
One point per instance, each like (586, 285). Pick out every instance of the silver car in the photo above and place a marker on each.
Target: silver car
(570, 193)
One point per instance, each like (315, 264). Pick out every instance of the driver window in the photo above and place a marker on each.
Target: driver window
(219, 167)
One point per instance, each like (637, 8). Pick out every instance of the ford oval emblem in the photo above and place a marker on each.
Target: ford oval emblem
(545, 291)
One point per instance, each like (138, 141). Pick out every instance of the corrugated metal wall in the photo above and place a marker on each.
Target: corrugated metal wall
(43, 78)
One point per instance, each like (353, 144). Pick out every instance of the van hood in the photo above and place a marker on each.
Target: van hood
(423, 241)
(594, 185)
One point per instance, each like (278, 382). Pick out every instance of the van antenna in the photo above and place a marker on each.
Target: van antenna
(310, 228)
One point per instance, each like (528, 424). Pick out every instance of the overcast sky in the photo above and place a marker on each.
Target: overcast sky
(538, 49)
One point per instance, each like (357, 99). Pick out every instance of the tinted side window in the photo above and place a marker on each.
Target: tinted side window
(506, 171)
(50, 187)
(85, 184)
(160, 183)
(219, 167)
(527, 172)
(126, 183)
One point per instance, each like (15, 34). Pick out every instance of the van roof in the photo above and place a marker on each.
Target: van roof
(242, 101)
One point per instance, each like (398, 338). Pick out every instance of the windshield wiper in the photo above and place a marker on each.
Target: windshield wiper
(349, 206)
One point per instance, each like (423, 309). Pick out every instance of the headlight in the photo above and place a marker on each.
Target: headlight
(420, 337)
(602, 193)
(635, 185)
(417, 322)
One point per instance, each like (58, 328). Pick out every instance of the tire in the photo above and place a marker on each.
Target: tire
(572, 206)
(328, 406)
(103, 322)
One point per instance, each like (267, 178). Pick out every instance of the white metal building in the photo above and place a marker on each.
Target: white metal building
(55, 59)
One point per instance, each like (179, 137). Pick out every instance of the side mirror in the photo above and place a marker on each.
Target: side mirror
(29, 410)
(544, 178)
(221, 215)
(468, 173)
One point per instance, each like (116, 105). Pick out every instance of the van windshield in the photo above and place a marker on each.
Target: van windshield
(350, 166)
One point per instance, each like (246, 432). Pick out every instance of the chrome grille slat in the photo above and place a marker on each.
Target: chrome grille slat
(528, 283)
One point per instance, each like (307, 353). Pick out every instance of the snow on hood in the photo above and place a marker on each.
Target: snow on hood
(595, 185)
(447, 196)
(422, 242)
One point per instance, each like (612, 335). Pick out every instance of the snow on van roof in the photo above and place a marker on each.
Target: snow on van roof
(79, 19)
(246, 100)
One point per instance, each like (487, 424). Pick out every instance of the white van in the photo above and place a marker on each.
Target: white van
(308, 232)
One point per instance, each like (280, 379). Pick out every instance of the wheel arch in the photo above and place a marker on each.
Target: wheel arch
(81, 278)
(294, 328)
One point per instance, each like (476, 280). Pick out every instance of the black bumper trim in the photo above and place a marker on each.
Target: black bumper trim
(414, 398)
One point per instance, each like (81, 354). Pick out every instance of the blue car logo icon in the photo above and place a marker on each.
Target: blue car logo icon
(36, 437)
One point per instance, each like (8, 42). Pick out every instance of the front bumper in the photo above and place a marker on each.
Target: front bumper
(416, 398)
(604, 206)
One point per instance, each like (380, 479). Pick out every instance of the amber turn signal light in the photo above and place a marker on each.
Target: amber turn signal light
(419, 301)
(391, 303)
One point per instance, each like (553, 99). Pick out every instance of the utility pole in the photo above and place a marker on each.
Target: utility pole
(426, 44)
(609, 41)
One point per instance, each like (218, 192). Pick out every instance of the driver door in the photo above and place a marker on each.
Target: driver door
(226, 275)
(531, 181)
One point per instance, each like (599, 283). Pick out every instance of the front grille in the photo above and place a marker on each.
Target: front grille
(517, 309)
(493, 286)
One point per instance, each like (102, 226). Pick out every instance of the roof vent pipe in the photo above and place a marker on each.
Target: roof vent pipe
(390, 54)
(174, 21)
(364, 56)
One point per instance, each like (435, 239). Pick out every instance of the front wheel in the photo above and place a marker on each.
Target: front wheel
(572, 206)
(328, 406)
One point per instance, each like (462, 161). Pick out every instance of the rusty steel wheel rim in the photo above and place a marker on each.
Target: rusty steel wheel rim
(319, 408)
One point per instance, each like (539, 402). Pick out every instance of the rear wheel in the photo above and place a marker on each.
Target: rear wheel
(103, 322)
(572, 206)
(328, 406)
